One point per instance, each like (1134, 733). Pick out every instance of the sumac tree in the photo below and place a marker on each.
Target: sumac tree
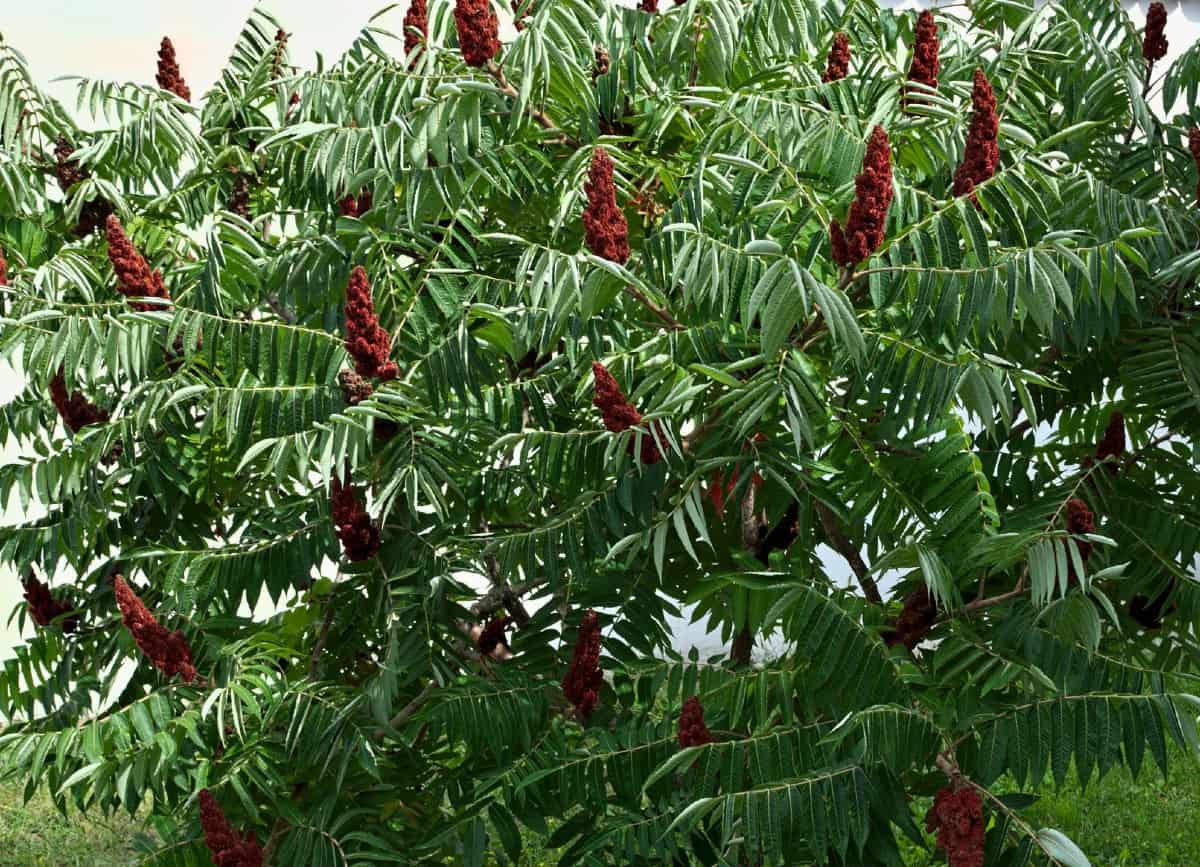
(386, 416)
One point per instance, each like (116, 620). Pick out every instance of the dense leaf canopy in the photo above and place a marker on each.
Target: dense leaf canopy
(377, 544)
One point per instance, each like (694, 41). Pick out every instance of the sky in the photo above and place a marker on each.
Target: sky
(118, 39)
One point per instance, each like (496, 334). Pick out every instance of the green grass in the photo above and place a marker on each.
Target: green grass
(1118, 822)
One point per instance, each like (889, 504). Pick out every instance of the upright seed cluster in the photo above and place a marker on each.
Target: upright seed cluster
(926, 64)
(915, 620)
(478, 31)
(76, 411)
(280, 53)
(601, 62)
(134, 277)
(982, 155)
(692, 730)
(69, 172)
(604, 226)
(43, 607)
(416, 28)
(957, 817)
(356, 206)
(355, 530)
(169, 76)
(619, 414)
(492, 636)
(1080, 521)
(366, 341)
(837, 65)
(1154, 41)
(1194, 147)
(167, 651)
(228, 848)
(650, 6)
(1112, 443)
(520, 14)
(3, 268)
(582, 682)
(867, 221)
(239, 195)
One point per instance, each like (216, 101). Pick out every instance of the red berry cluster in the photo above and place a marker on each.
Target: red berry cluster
(43, 607)
(982, 155)
(3, 268)
(1194, 147)
(838, 62)
(416, 27)
(519, 14)
(619, 414)
(648, 6)
(914, 621)
(281, 41)
(167, 651)
(239, 195)
(602, 61)
(582, 682)
(228, 848)
(356, 206)
(957, 816)
(359, 536)
(1080, 521)
(1149, 613)
(76, 411)
(134, 277)
(69, 172)
(492, 636)
(478, 31)
(604, 225)
(355, 389)
(1154, 43)
(925, 64)
(867, 221)
(169, 77)
(1112, 444)
(692, 730)
(366, 341)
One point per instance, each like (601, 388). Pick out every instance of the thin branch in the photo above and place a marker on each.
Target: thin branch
(838, 541)
(538, 115)
(661, 312)
(326, 623)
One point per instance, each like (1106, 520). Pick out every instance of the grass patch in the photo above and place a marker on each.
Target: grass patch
(37, 835)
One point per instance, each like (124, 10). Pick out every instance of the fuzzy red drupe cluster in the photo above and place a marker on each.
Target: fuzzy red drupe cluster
(281, 41)
(650, 6)
(1194, 147)
(1154, 42)
(76, 411)
(982, 154)
(915, 620)
(416, 28)
(957, 817)
(3, 268)
(492, 636)
(838, 62)
(43, 607)
(692, 730)
(366, 341)
(358, 535)
(356, 206)
(228, 848)
(581, 684)
(68, 172)
(167, 651)
(519, 14)
(169, 76)
(478, 31)
(925, 64)
(604, 226)
(1080, 520)
(619, 414)
(135, 279)
(867, 220)
(1112, 444)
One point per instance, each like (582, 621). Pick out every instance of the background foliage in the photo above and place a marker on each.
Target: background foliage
(926, 417)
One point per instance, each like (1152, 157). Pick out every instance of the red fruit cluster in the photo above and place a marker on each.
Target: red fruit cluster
(1080, 520)
(169, 77)
(134, 277)
(604, 225)
(914, 621)
(1194, 147)
(692, 730)
(281, 41)
(582, 682)
(838, 62)
(519, 14)
(3, 268)
(1154, 43)
(619, 414)
(492, 635)
(366, 341)
(957, 816)
(355, 389)
(925, 64)
(648, 6)
(69, 172)
(867, 221)
(228, 848)
(982, 155)
(167, 651)
(356, 206)
(1112, 444)
(478, 31)
(44, 608)
(76, 411)
(602, 61)
(239, 195)
(358, 535)
(416, 27)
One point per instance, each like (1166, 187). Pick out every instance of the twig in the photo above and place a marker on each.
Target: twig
(661, 312)
(282, 312)
(277, 832)
(538, 115)
(315, 659)
(838, 541)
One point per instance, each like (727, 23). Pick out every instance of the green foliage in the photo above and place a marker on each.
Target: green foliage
(925, 416)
